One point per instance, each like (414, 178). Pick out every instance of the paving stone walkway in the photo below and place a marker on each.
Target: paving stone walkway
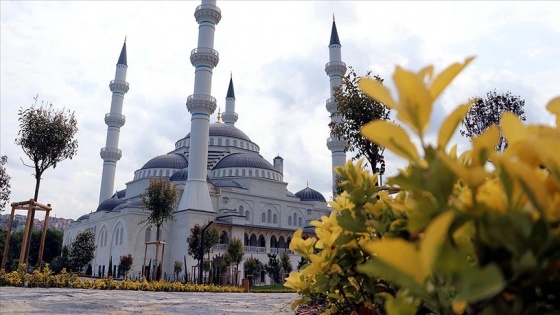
(80, 301)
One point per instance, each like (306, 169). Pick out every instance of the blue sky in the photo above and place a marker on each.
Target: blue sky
(66, 53)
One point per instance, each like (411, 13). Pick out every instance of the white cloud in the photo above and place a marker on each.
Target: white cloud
(66, 53)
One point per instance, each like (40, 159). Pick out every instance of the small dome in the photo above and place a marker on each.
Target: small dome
(122, 206)
(309, 194)
(173, 160)
(109, 204)
(227, 183)
(223, 130)
(84, 217)
(119, 194)
(244, 160)
(180, 176)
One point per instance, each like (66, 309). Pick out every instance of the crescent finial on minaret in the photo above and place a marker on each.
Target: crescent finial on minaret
(125, 35)
(333, 17)
(219, 119)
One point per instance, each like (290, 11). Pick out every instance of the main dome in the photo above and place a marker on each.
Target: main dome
(244, 160)
(174, 160)
(109, 204)
(223, 130)
(308, 194)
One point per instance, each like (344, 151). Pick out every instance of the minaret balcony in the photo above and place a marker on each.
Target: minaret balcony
(229, 117)
(201, 103)
(337, 144)
(110, 154)
(114, 119)
(335, 68)
(204, 55)
(119, 86)
(206, 12)
(331, 105)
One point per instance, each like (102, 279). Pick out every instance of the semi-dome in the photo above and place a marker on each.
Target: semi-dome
(119, 194)
(183, 175)
(244, 160)
(227, 183)
(84, 217)
(122, 206)
(223, 130)
(308, 194)
(109, 204)
(173, 160)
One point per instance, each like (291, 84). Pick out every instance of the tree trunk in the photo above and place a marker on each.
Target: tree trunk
(35, 197)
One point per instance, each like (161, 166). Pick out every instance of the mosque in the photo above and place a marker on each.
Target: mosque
(217, 170)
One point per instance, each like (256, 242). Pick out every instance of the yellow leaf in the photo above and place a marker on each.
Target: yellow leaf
(415, 101)
(451, 122)
(459, 306)
(554, 107)
(399, 254)
(377, 91)
(446, 76)
(433, 238)
(513, 128)
(426, 72)
(392, 137)
(484, 144)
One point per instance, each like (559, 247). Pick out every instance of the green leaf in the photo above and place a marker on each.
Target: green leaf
(379, 269)
(347, 221)
(480, 284)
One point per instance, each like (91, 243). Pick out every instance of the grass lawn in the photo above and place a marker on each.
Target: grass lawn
(271, 287)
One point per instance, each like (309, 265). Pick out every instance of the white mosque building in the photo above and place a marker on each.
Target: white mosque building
(218, 172)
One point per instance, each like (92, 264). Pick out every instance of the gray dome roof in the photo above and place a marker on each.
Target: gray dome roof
(227, 183)
(122, 206)
(224, 130)
(173, 160)
(119, 194)
(244, 160)
(183, 175)
(85, 216)
(109, 204)
(308, 194)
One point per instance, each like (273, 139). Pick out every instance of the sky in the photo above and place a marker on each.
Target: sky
(65, 52)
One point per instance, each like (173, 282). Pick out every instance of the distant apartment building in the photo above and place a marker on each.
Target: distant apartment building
(19, 222)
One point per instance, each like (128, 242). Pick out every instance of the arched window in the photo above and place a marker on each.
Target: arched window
(253, 240)
(263, 217)
(148, 235)
(219, 141)
(167, 173)
(236, 172)
(267, 174)
(105, 239)
(241, 144)
(273, 242)
(246, 240)
(227, 142)
(281, 242)
(234, 143)
(117, 237)
(241, 209)
(160, 172)
(247, 215)
(243, 173)
(229, 172)
(262, 242)
(250, 173)
(211, 141)
(274, 218)
(224, 239)
(269, 216)
(295, 219)
(300, 221)
(290, 220)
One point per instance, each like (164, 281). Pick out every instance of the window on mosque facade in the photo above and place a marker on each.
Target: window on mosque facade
(227, 142)
(234, 143)
(229, 172)
(250, 173)
(269, 218)
(290, 220)
(219, 141)
(243, 173)
(300, 222)
(211, 141)
(263, 217)
(274, 218)
(247, 214)
(122, 231)
(148, 235)
(236, 172)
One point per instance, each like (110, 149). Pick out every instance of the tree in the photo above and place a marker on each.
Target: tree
(487, 111)
(62, 261)
(285, 263)
(177, 268)
(46, 136)
(82, 250)
(160, 199)
(52, 249)
(234, 254)
(125, 264)
(211, 238)
(355, 110)
(253, 267)
(273, 268)
(4, 183)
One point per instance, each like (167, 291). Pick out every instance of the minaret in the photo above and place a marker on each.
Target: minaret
(201, 105)
(230, 116)
(114, 120)
(335, 69)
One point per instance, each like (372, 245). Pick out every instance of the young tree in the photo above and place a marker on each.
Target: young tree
(160, 199)
(357, 109)
(125, 264)
(273, 268)
(487, 111)
(234, 254)
(46, 136)
(211, 238)
(82, 250)
(285, 263)
(253, 267)
(177, 268)
(4, 183)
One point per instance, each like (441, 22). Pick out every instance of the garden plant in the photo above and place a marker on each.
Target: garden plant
(463, 233)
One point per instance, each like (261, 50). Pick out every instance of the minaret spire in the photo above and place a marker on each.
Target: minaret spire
(114, 120)
(201, 105)
(230, 116)
(335, 69)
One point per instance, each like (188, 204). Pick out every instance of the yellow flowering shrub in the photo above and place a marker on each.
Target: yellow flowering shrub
(470, 233)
